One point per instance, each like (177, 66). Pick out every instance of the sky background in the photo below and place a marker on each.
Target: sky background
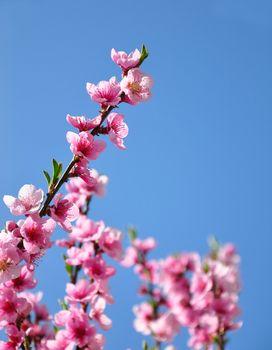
(198, 158)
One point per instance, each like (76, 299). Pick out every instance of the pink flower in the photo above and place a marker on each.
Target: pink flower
(8, 345)
(130, 258)
(202, 334)
(15, 335)
(87, 230)
(124, 60)
(107, 93)
(9, 260)
(26, 280)
(110, 242)
(117, 129)
(63, 212)
(97, 343)
(84, 145)
(11, 306)
(97, 268)
(81, 292)
(61, 342)
(144, 315)
(80, 190)
(28, 201)
(77, 256)
(77, 326)
(165, 328)
(97, 313)
(82, 123)
(144, 246)
(36, 233)
(136, 86)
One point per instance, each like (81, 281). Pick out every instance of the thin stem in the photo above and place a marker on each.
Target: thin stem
(61, 181)
(158, 345)
(221, 341)
(51, 194)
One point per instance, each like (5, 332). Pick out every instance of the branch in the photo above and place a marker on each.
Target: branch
(51, 194)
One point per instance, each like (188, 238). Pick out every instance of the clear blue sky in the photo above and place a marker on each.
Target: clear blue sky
(199, 153)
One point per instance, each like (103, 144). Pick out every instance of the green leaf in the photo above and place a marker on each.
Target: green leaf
(132, 233)
(63, 304)
(47, 176)
(214, 244)
(144, 55)
(205, 268)
(55, 165)
(145, 345)
(60, 170)
(55, 329)
(69, 269)
(57, 170)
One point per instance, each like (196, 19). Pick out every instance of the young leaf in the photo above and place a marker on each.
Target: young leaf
(63, 304)
(144, 55)
(55, 165)
(57, 169)
(145, 345)
(132, 234)
(47, 176)
(69, 269)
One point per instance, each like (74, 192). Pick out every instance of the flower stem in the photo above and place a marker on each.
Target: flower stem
(51, 194)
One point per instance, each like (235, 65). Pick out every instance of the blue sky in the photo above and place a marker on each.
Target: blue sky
(198, 158)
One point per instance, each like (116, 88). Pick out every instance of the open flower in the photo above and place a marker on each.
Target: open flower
(97, 313)
(124, 60)
(118, 130)
(9, 260)
(136, 86)
(36, 233)
(82, 123)
(63, 212)
(107, 93)
(28, 201)
(84, 145)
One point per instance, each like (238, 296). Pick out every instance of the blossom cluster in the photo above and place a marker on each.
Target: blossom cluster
(23, 242)
(186, 290)
(183, 290)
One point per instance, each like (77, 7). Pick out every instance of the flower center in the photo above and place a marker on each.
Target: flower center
(4, 265)
(135, 87)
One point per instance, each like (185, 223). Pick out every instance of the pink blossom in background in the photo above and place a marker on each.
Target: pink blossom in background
(61, 342)
(82, 123)
(144, 315)
(107, 93)
(87, 230)
(144, 246)
(84, 145)
(136, 86)
(28, 201)
(165, 328)
(97, 313)
(64, 212)
(81, 292)
(124, 60)
(118, 130)
(97, 268)
(11, 306)
(76, 323)
(14, 334)
(110, 243)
